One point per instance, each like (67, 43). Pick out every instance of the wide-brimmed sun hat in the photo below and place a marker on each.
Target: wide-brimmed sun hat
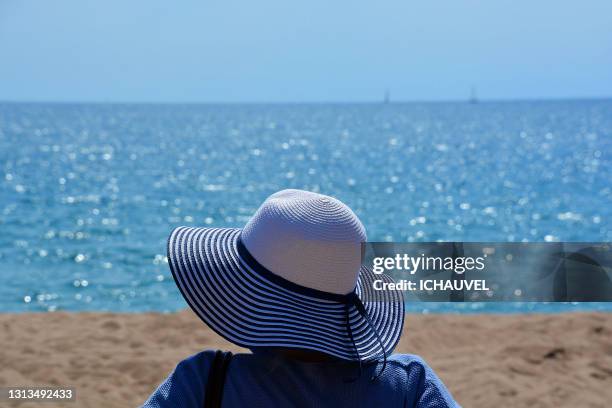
(291, 278)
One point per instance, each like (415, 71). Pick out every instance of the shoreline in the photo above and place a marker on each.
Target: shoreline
(117, 359)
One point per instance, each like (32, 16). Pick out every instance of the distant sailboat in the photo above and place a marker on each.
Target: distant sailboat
(473, 96)
(387, 98)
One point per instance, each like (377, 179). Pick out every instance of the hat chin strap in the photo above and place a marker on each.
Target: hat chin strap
(353, 300)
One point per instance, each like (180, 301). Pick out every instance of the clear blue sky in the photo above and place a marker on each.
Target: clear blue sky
(315, 50)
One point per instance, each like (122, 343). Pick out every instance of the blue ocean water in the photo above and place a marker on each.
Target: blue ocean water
(89, 192)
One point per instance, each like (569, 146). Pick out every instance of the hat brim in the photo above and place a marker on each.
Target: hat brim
(250, 310)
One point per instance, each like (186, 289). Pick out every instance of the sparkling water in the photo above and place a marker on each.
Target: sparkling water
(89, 193)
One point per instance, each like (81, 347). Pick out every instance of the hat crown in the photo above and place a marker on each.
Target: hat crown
(310, 239)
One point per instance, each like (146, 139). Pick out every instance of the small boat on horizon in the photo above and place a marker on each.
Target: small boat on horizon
(473, 97)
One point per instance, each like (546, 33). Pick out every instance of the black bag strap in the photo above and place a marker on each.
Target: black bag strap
(216, 379)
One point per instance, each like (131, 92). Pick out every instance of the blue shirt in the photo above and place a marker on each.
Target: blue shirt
(265, 379)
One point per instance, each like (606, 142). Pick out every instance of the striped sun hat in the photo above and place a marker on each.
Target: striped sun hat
(291, 278)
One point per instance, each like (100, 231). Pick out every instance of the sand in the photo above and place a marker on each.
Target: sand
(117, 360)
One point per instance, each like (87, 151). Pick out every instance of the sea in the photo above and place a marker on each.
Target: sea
(90, 192)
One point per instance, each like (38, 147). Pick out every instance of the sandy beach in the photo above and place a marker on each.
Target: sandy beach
(117, 360)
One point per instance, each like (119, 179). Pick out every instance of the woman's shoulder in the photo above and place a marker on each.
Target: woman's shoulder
(184, 387)
(197, 361)
(428, 388)
(412, 369)
(408, 361)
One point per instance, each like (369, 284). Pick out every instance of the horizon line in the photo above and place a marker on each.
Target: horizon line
(313, 102)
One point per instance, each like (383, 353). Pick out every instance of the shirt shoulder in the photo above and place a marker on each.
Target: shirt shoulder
(185, 385)
(423, 385)
(199, 362)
